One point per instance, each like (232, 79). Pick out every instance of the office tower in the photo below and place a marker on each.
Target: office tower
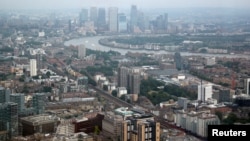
(93, 15)
(133, 17)
(123, 77)
(101, 21)
(178, 61)
(81, 51)
(8, 120)
(38, 102)
(204, 92)
(33, 67)
(139, 129)
(83, 16)
(4, 95)
(122, 23)
(196, 122)
(247, 86)
(19, 99)
(113, 19)
(165, 20)
(134, 83)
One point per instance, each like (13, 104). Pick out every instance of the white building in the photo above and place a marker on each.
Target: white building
(205, 92)
(121, 91)
(247, 86)
(209, 61)
(113, 19)
(81, 51)
(196, 122)
(33, 67)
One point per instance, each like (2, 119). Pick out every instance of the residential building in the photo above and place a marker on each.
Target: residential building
(33, 67)
(140, 128)
(205, 91)
(81, 51)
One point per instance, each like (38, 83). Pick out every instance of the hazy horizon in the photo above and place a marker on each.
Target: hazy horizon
(65, 4)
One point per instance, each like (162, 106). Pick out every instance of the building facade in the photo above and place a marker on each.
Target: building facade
(113, 19)
(33, 67)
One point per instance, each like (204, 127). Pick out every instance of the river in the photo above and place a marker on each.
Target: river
(93, 43)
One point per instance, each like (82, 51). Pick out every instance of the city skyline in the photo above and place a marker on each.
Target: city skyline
(59, 4)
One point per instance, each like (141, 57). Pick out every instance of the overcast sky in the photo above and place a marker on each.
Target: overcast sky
(58, 4)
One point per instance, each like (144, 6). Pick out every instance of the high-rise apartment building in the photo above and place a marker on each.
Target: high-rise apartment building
(38, 102)
(81, 51)
(39, 60)
(178, 61)
(122, 23)
(123, 76)
(247, 86)
(113, 19)
(129, 78)
(134, 83)
(139, 129)
(33, 67)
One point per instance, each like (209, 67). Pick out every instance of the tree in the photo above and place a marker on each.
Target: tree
(48, 74)
(219, 114)
(114, 93)
(97, 130)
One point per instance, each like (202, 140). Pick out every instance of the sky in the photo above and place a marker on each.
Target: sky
(62, 4)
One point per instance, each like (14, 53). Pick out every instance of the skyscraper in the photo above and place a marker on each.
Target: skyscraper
(122, 22)
(101, 20)
(93, 15)
(123, 77)
(133, 17)
(83, 16)
(113, 19)
(39, 60)
(134, 83)
(81, 51)
(33, 67)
